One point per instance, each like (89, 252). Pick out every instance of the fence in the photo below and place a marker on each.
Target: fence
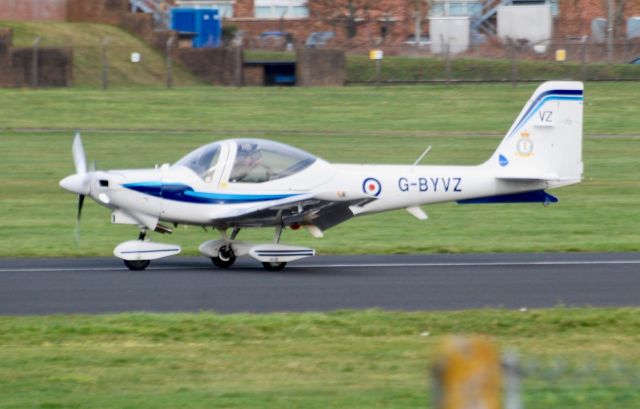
(107, 63)
(509, 63)
(469, 373)
(593, 383)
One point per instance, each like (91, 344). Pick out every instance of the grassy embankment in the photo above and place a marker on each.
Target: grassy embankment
(369, 359)
(126, 128)
(87, 40)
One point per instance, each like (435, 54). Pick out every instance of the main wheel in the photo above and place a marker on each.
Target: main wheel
(226, 257)
(136, 265)
(274, 266)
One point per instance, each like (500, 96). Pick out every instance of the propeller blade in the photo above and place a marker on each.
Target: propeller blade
(76, 232)
(79, 158)
(80, 204)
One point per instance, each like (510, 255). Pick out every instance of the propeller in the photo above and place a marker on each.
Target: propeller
(80, 182)
(79, 158)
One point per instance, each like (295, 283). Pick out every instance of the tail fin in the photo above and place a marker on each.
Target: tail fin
(545, 141)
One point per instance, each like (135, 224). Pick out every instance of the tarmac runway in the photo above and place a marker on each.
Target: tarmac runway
(325, 283)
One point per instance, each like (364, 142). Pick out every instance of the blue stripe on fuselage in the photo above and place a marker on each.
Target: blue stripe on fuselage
(182, 193)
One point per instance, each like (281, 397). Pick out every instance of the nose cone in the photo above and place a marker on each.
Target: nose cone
(79, 184)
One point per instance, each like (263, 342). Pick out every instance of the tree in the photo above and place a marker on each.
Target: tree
(344, 13)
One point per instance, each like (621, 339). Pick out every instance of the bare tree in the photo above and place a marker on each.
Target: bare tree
(349, 14)
(614, 10)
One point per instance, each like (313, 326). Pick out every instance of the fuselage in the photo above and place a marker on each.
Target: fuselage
(175, 194)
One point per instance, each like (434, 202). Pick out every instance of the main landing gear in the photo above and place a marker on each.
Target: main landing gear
(226, 257)
(274, 256)
(272, 266)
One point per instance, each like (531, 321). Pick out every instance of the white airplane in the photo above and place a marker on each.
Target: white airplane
(240, 183)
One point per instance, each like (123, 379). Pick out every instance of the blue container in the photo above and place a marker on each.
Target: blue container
(204, 23)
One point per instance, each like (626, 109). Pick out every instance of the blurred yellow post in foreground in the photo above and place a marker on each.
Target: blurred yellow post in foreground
(468, 374)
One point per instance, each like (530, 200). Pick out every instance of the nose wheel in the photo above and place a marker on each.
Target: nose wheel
(226, 257)
(136, 265)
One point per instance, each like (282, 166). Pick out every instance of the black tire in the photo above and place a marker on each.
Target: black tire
(136, 265)
(274, 266)
(226, 257)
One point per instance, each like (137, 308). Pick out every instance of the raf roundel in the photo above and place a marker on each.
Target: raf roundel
(371, 186)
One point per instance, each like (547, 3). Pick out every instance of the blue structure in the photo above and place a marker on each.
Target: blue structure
(204, 23)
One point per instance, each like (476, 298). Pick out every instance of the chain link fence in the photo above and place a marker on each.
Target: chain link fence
(106, 64)
(466, 376)
(509, 63)
(579, 383)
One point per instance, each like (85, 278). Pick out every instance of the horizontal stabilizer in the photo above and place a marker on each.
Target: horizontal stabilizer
(537, 196)
(526, 175)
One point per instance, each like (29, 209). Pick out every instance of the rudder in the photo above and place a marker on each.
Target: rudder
(545, 141)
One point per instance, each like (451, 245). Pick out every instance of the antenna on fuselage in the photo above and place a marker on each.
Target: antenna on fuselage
(421, 156)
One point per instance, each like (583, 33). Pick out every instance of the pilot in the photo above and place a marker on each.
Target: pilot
(247, 159)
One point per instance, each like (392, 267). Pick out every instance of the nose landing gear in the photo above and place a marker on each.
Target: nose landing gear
(136, 265)
(137, 254)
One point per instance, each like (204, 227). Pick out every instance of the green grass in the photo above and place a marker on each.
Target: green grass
(341, 125)
(369, 359)
(611, 108)
(87, 40)
(360, 68)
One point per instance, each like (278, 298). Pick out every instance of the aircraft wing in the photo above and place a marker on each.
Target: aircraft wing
(304, 209)
(239, 211)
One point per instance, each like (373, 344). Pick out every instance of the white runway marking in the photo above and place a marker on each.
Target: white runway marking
(349, 265)
(477, 264)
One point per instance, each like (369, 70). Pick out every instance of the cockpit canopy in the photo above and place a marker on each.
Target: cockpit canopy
(251, 160)
(203, 161)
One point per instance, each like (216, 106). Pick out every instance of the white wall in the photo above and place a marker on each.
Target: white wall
(452, 30)
(531, 22)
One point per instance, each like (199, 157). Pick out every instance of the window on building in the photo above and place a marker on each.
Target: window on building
(275, 9)
(225, 7)
(461, 8)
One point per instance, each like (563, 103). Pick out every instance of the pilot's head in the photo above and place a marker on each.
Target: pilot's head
(249, 151)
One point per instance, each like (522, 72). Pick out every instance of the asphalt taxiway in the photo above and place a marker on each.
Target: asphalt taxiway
(397, 282)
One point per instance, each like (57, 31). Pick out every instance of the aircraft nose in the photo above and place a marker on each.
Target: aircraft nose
(76, 183)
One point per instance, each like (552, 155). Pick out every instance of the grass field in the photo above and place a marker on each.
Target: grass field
(125, 128)
(344, 359)
(369, 359)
